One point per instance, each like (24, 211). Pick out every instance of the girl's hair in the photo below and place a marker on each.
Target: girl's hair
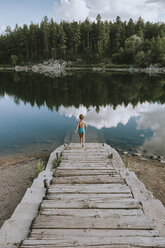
(81, 117)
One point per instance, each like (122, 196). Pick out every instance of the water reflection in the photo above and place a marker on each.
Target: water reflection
(154, 118)
(38, 112)
(149, 123)
(87, 88)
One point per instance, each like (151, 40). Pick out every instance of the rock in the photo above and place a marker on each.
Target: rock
(119, 150)
(137, 154)
(160, 157)
(125, 153)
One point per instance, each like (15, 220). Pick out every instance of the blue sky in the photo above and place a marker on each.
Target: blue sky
(25, 11)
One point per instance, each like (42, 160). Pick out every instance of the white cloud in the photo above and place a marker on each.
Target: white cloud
(154, 118)
(71, 10)
(152, 10)
(107, 116)
(2, 29)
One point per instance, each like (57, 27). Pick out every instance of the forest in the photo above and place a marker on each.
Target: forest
(119, 42)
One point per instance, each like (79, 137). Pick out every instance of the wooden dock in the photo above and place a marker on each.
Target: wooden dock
(89, 204)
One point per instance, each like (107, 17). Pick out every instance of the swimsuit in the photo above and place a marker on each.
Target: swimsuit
(81, 129)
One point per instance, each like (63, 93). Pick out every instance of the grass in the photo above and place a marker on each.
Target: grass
(56, 163)
(103, 64)
(125, 161)
(40, 166)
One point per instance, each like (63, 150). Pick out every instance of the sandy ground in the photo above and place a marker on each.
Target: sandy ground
(16, 175)
(150, 172)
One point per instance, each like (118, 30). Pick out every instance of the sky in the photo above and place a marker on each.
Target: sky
(27, 11)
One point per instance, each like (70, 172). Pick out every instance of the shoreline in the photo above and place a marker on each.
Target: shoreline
(59, 68)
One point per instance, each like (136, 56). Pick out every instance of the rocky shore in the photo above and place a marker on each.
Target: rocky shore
(142, 156)
(56, 68)
(50, 68)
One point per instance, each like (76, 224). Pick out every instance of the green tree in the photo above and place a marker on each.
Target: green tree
(14, 59)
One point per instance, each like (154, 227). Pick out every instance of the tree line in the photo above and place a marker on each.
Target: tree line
(120, 42)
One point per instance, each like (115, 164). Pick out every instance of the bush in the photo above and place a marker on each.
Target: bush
(56, 163)
(40, 166)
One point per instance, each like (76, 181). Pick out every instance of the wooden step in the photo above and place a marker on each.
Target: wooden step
(110, 222)
(91, 203)
(81, 197)
(88, 179)
(86, 189)
(75, 172)
(88, 233)
(100, 213)
(115, 242)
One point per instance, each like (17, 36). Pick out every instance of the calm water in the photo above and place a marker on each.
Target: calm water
(38, 113)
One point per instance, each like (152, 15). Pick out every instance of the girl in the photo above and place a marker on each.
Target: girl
(82, 127)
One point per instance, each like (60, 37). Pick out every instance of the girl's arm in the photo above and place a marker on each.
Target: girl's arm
(76, 128)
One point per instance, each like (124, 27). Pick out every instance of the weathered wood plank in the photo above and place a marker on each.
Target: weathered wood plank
(91, 203)
(84, 158)
(100, 197)
(72, 234)
(82, 246)
(133, 241)
(94, 179)
(111, 222)
(96, 161)
(102, 213)
(85, 166)
(74, 172)
(94, 188)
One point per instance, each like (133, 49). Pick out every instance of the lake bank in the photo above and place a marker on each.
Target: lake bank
(17, 174)
(60, 68)
(150, 172)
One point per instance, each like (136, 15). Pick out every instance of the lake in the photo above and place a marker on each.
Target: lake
(39, 113)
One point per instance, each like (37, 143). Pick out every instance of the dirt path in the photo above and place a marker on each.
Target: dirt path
(16, 175)
(150, 172)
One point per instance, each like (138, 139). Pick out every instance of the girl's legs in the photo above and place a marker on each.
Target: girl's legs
(80, 134)
(83, 139)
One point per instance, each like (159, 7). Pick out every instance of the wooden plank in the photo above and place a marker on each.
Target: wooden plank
(88, 233)
(94, 188)
(100, 197)
(81, 160)
(94, 179)
(85, 166)
(83, 157)
(91, 203)
(111, 222)
(74, 172)
(108, 241)
(102, 213)
(80, 246)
